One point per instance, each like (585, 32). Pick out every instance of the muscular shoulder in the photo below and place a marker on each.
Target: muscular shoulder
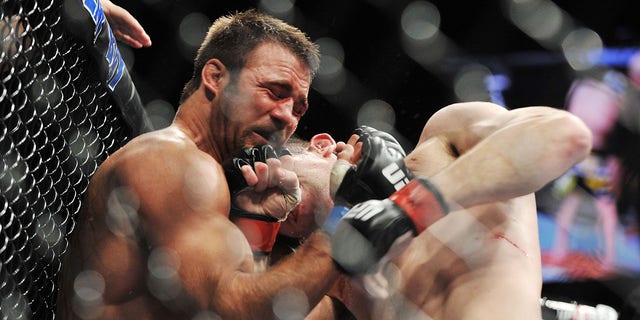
(169, 172)
(460, 115)
(462, 125)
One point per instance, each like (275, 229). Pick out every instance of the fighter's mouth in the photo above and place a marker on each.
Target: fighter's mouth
(263, 135)
(269, 137)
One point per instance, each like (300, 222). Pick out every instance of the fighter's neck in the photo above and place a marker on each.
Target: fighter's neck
(197, 126)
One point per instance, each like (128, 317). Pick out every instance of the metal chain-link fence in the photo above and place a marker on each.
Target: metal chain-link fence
(58, 122)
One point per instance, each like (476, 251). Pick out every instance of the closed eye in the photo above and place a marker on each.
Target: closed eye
(275, 94)
(279, 91)
(282, 91)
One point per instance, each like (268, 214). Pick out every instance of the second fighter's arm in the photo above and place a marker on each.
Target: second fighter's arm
(503, 154)
(125, 26)
(185, 210)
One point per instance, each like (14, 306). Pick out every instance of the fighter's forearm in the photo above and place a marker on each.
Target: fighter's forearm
(310, 271)
(537, 146)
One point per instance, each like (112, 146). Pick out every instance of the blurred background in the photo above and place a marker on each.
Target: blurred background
(391, 64)
(387, 64)
(411, 56)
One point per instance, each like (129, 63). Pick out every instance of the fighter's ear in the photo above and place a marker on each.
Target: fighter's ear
(213, 76)
(322, 144)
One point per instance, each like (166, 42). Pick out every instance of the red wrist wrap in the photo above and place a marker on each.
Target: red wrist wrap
(261, 234)
(421, 201)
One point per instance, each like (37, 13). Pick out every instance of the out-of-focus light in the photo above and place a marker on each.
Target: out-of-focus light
(162, 279)
(469, 83)
(45, 92)
(420, 33)
(290, 304)
(540, 19)
(14, 306)
(420, 20)
(80, 147)
(89, 284)
(192, 30)
(195, 189)
(122, 212)
(48, 230)
(378, 114)
(88, 289)
(14, 169)
(163, 263)
(617, 57)
(633, 66)
(160, 113)
(277, 8)
(376, 285)
(427, 52)
(330, 48)
(331, 78)
(496, 84)
(331, 85)
(582, 48)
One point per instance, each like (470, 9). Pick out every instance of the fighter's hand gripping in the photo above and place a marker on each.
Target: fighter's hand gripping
(261, 181)
(374, 169)
(388, 204)
(263, 192)
(379, 172)
(124, 26)
(367, 232)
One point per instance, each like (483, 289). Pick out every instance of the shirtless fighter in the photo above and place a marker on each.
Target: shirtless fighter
(484, 260)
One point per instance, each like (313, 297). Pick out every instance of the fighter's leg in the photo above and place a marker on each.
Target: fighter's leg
(564, 221)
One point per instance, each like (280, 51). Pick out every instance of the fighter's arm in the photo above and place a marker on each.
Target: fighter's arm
(519, 150)
(185, 210)
(125, 27)
(495, 154)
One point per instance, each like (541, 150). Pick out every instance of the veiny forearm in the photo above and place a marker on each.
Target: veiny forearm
(309, 271)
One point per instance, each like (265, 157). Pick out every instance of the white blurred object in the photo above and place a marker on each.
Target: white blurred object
(575, 311)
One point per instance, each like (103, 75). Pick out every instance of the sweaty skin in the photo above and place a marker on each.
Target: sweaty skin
(154, 241)
(478, 263)
(482, 262)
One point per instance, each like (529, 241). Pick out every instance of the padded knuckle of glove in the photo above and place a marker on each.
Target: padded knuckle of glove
(247, 156)
(365, 234)
(260, 230)
(380, 170)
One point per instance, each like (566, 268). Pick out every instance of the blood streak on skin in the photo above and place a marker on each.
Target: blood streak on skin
(503, 237)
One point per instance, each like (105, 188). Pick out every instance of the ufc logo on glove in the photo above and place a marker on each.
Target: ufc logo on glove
(395, 175)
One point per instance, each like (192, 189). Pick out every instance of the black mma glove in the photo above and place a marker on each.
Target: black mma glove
(259, 229)
(367, 232)
(379, 172)
(248, 156)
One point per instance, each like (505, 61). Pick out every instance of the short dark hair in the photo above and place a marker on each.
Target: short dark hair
(296, 145)
(230, 38)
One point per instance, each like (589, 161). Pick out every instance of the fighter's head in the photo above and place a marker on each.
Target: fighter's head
(314, 160)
